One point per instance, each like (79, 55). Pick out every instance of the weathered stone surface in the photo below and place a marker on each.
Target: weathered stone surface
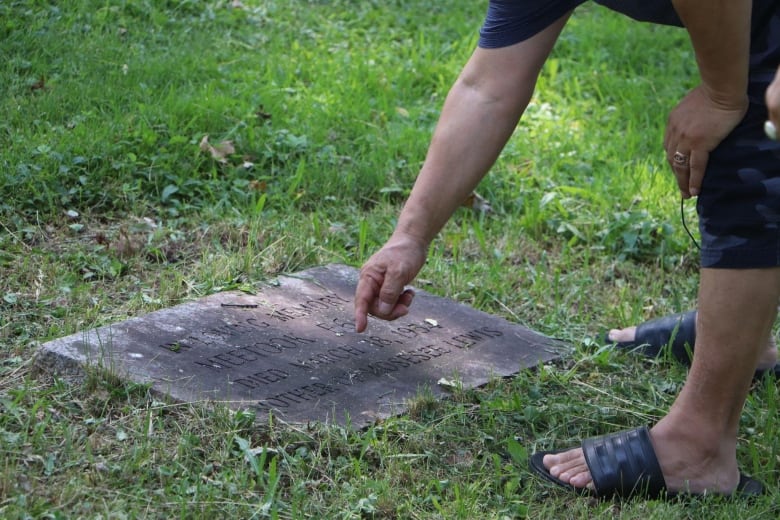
(291, 349)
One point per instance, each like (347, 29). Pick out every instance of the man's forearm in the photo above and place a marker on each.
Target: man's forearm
(469, 137)
(479, 116)
(720, 33)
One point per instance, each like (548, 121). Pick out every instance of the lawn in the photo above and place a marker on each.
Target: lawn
(157, 152)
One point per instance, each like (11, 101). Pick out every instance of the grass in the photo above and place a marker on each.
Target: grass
(111, 209)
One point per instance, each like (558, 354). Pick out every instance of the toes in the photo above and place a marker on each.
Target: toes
(565, 457)
(622, 335)
(581, 479)
(569, 466)
(568, 474)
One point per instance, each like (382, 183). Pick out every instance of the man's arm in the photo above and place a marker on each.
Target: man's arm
(479, 115)
(720, 34)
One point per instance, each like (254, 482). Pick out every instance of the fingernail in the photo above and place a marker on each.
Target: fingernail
(385, 308)
(694, 192)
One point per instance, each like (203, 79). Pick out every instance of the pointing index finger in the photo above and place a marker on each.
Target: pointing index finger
(366, 292)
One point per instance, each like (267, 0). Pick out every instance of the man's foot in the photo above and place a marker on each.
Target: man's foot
(686, 465)
(767, 360)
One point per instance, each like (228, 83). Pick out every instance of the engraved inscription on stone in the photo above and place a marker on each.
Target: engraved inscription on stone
(291, 350)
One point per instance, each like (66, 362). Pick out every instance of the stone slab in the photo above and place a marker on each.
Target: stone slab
(290, 349)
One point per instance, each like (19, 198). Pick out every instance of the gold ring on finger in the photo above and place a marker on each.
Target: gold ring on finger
(680, 159)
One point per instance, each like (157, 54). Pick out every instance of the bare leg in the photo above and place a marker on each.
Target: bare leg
(696, 441)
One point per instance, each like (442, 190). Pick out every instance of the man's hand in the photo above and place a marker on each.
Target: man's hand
(478, 117)
(381, 289)
(720, 34)
(695, 127)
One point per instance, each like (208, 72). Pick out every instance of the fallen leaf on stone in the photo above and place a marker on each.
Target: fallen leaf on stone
(448, 384)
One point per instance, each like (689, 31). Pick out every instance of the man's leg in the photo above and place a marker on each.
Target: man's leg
(696, 441)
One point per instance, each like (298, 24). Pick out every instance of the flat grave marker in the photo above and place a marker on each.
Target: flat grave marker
(291, 349)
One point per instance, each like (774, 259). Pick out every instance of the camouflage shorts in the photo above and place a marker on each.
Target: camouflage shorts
(739, 204)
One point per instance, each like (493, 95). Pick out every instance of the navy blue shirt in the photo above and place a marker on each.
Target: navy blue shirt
(512, 21)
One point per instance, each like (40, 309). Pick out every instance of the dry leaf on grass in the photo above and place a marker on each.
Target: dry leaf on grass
(477, 203)
(39, 85)
(126, 245)
(262, 114)
(256, 185)
(220, 151)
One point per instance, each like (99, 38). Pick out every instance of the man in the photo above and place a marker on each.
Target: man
(717, 129)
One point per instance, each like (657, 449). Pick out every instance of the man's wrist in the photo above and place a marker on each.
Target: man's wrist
(405, 234)
(727, 97)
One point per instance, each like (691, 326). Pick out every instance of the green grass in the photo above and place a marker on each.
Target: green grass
(109, 209)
